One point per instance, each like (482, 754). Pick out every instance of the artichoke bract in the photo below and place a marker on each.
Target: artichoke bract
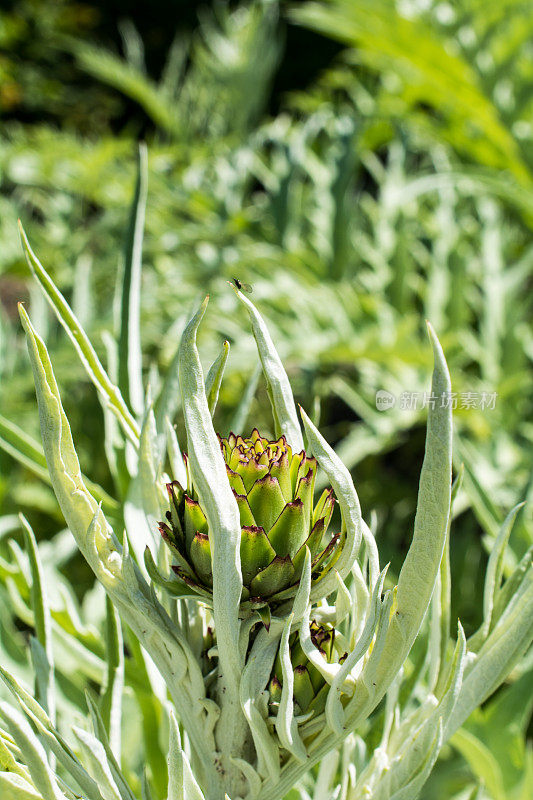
(274, 489)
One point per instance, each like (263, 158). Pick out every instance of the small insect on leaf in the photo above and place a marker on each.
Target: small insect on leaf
(242, 287)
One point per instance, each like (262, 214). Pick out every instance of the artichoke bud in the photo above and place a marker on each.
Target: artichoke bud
(274, 490)
(310, 688)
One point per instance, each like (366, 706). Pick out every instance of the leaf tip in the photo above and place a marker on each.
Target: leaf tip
(24, 318)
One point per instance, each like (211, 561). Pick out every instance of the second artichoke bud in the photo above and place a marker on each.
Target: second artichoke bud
(274, 490)
(310, 689)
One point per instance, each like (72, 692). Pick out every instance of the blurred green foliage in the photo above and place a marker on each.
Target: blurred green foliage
(397, 186)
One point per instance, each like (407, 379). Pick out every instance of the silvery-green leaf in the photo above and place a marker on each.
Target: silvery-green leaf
(413, 760)
(142, 508)
(433, 655)
(44, 677)
(95, 757)
(253, 777)
(392, 709)
(405, 764)
(212, 713)
(111, 699)
(120, 453)
(371, 553)
(41, 611)
(382, 627)
(421, 565)
(494, 572)
(412, 789)
(29, 452)
(79, 507)
(512, 585)
(14, 787)
(145, 788)
(254, 679)
(182, 784)
(327, 773)
(100, 734)
(286, 725)
(343, 601)
(85, 350)
(214, 377)
(334, 709)
(168, 400)
(444, 599)
(53, 738)
(502, 649)
(177, 465)
(129, 339)
(361, 602)
(33, 753)
(486, 764)
(172, 654)
(301, 599)
(279, 388)
(220, 507)
(344, 489)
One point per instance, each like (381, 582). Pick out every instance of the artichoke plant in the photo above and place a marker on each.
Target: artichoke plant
(274, 490)
(266, 648)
